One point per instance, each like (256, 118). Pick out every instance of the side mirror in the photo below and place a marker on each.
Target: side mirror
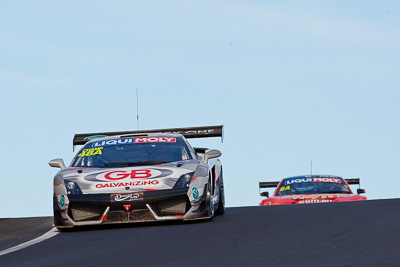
(210, 154)
(264, 194)
(57, 163)
(360, 191)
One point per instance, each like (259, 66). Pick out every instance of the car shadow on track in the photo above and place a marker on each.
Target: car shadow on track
(131, 225)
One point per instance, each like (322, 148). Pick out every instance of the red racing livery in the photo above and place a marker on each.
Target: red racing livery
(309, 189)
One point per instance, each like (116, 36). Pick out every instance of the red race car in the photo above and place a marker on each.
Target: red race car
(309, 189)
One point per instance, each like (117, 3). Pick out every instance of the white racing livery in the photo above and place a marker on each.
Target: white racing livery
(124, 177)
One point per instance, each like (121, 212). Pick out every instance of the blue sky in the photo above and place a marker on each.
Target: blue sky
(289, 80)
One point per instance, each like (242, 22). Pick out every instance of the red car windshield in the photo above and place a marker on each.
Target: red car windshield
(312, 185)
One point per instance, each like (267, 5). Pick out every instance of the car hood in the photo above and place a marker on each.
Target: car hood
(128, 179)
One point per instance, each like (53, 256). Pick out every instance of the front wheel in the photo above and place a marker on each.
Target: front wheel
(209, 202)
(221, 197)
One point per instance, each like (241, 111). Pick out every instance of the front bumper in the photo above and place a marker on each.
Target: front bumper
(93, 209)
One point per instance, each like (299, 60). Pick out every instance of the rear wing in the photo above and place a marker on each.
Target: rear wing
(353, 180)
(188, 132)
(268, 184)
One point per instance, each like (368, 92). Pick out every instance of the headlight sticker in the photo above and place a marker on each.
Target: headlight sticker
(195, 193)
(62, 200)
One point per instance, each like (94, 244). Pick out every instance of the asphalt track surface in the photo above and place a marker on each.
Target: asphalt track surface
(365, 233)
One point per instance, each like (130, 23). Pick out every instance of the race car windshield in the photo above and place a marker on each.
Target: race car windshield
(312, 186)
(132, 152)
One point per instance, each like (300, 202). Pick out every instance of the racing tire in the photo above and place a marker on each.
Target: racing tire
(209, 202)
(221, 198)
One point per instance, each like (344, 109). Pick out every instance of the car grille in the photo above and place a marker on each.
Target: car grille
(172, 206)
(175, 206)
(124, 217)
(84, 212)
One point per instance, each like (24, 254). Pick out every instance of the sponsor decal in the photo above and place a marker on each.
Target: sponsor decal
(113, 142)
(127, 197)
(133, 174)
(94, 137)
(134, 183)
(283, 188)
(327, 180)
(135, 140)
(310, 180)
(62, 201)
(300, 180)
(155, 139)
(314, 201)
(90, 152)
(191, 131)
(195, 193)
(319, 196)
(127, 174)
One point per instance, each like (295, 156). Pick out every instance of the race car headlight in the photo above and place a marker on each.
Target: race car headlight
(71, 185)
(72, 188)
(184, 180)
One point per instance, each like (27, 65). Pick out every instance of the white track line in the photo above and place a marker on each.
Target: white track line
(39, 239)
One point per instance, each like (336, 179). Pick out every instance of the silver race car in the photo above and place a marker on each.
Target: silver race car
(124, 177)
